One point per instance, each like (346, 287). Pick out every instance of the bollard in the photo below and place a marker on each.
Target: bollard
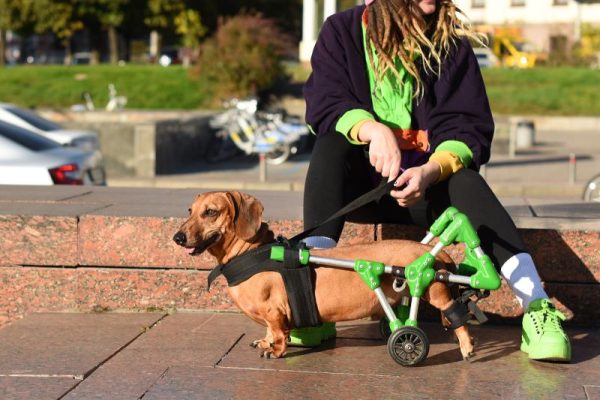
(572, 168)
(262, 166)
(524, 134)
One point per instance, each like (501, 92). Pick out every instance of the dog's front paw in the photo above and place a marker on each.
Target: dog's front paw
(262, 344)
(469, 356)
(271, 353)
(268, 349)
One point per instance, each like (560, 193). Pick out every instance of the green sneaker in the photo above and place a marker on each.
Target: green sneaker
(313, 336)
(543, 337)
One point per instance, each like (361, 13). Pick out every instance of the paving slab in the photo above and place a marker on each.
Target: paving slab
(38, 388)
(51, 209)
(184, 339)
(42, 193)
(206, 356)
(357, 365)
(69, 345)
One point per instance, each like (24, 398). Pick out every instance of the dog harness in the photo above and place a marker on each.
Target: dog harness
(297, 278)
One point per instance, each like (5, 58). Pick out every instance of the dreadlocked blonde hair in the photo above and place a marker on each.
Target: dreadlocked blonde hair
(397, 29)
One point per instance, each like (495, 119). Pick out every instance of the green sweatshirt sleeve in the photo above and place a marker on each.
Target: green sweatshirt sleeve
(351, 118)
(461, 150)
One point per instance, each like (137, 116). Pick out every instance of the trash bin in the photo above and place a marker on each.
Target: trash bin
(525, 134)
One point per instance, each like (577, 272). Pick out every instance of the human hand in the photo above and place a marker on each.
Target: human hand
(415, 180)
(384, 153)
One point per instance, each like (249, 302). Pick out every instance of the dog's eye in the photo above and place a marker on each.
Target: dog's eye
(209, 212)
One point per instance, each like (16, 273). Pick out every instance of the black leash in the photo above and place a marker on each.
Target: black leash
(373, 195)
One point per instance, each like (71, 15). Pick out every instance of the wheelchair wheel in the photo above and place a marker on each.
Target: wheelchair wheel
(591, 191)
(408, 346)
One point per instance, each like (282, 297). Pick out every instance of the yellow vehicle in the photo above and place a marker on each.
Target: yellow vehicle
(510, 48)
(512, 54)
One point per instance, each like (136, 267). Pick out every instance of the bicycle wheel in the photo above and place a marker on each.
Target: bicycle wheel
(279, 154)
(591, 192)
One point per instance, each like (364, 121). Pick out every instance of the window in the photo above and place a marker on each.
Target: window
(34, 119)
(477, 3)
(517, 3)
(26, 138)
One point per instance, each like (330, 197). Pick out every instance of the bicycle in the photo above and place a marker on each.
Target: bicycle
(241, 127)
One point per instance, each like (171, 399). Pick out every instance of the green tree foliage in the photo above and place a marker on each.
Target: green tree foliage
(243, 57)
(62, 17)
(177, 16)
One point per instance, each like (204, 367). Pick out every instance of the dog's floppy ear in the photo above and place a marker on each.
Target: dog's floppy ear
(247, 214)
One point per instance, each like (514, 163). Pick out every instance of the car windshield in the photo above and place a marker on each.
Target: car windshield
(34, 119)
(25, 138)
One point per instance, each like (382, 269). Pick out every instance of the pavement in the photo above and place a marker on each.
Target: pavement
(206, 355)
(543, 170)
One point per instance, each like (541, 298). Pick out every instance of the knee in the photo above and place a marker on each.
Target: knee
(466, 179)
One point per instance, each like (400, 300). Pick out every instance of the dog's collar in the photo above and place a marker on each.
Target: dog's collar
(246, 265)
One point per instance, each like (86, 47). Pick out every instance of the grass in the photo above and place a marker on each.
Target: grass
(544, 91)
(145, 86)
(541, 91)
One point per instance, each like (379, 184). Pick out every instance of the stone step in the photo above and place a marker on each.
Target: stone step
(111, 249)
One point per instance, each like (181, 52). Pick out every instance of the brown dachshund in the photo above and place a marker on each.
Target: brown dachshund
(228, 224)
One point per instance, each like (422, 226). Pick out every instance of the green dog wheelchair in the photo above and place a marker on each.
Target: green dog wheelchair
(408, 344)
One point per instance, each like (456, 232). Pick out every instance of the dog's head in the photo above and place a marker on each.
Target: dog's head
(219, 219)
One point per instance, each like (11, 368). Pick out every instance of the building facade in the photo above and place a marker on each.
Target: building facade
(548, 25)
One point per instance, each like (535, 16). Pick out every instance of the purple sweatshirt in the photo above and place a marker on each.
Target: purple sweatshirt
(454, 106)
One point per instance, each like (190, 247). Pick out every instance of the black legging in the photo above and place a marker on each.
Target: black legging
(340, 172)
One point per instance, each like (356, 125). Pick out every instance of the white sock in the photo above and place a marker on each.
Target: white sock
(319, 242)
(522, 277)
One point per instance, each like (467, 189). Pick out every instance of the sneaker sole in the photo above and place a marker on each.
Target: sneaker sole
(557, 356)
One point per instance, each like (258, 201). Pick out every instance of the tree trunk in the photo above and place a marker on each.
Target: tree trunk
(2, 46)
(113, 45)
(154, 50)
(68, 53)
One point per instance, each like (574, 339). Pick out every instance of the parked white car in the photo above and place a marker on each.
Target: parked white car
(27, 158)
(485, 57)
(27, 119)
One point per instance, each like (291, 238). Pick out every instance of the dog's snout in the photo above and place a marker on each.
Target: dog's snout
(180, 238)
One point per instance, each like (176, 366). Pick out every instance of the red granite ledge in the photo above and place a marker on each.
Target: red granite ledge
(134, 242)
(27, 289)
(37, 289)
(38, 240)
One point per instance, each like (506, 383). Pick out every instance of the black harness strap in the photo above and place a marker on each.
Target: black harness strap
(297, 279)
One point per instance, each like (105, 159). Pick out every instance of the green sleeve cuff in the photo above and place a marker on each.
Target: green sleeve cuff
(462, 151)
(351, 118)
